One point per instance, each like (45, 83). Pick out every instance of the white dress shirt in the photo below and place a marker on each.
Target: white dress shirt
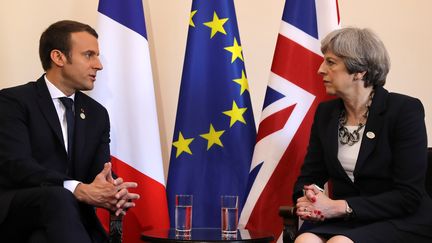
(348, 155)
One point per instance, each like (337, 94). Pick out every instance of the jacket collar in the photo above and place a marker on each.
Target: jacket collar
(80, 126)
(371, 132)
(373, 127)
(46, 105)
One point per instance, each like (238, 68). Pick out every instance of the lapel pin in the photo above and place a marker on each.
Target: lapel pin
(82, 115)
(370, 135)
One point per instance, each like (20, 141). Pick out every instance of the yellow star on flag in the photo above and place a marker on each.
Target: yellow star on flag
(236, 114)
(216, 25)
(182, 145)
(243, 82)
(236, 51)
(213, 137)
(191, 23)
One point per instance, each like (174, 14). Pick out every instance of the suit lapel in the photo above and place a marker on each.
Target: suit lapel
(373, 126)
(47, 107)
(332, 131)
(333, 137)
(80, 126)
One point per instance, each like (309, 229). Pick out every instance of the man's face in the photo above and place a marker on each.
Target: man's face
(79, 71)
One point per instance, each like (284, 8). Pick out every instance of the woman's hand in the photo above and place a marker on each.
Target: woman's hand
(306, 210)
(316, 206)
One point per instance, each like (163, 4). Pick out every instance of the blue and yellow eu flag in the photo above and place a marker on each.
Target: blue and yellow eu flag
(215, 133)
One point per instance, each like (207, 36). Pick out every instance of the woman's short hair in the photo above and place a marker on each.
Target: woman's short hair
(58, 36)
(361, 50)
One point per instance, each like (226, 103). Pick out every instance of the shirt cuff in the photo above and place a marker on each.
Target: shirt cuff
(71, 185)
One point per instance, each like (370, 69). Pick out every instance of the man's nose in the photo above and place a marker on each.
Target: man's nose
(98, 64)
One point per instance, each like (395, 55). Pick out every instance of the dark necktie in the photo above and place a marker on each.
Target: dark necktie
(68, 104)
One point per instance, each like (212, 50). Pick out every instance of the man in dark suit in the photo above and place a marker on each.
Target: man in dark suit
(54, 155)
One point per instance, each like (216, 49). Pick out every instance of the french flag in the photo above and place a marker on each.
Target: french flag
(293, 93)
(125, 88)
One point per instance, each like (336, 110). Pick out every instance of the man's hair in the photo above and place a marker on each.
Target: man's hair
(361, 50)
(58, 37)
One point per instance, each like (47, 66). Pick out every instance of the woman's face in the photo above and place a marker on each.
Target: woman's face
(335, 75)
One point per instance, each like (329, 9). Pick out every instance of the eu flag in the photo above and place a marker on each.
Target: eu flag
(215, 132)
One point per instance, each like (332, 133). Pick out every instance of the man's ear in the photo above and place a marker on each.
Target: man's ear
(58, 58)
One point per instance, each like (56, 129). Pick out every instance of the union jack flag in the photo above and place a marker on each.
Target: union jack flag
(293, 93)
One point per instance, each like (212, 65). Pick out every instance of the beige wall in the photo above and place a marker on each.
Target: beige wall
(404, 26)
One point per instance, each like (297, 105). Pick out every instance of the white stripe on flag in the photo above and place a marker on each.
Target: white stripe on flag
(293, 33)
(278, 141)
(128, 94)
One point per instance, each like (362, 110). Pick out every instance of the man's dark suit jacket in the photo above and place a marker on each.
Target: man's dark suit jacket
(32, 151)
(390, 170)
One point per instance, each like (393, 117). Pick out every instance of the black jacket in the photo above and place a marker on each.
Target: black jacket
(390, 170)
(32, 151)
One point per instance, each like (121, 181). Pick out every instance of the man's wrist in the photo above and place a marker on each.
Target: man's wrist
(71, 185)
(80, 192)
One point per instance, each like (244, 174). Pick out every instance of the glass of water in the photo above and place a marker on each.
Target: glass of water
(183, 214)
(229, 215)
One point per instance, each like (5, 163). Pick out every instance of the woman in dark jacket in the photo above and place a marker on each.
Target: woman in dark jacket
(371, 145)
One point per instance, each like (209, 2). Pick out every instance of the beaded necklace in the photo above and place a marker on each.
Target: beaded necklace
(347, 137)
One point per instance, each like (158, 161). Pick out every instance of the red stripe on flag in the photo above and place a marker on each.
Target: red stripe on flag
(104, 218)
(274, 122)
(150, 211)
(337, 9)
(298, 65)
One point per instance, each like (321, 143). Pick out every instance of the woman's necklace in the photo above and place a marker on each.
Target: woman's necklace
(347, 137)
